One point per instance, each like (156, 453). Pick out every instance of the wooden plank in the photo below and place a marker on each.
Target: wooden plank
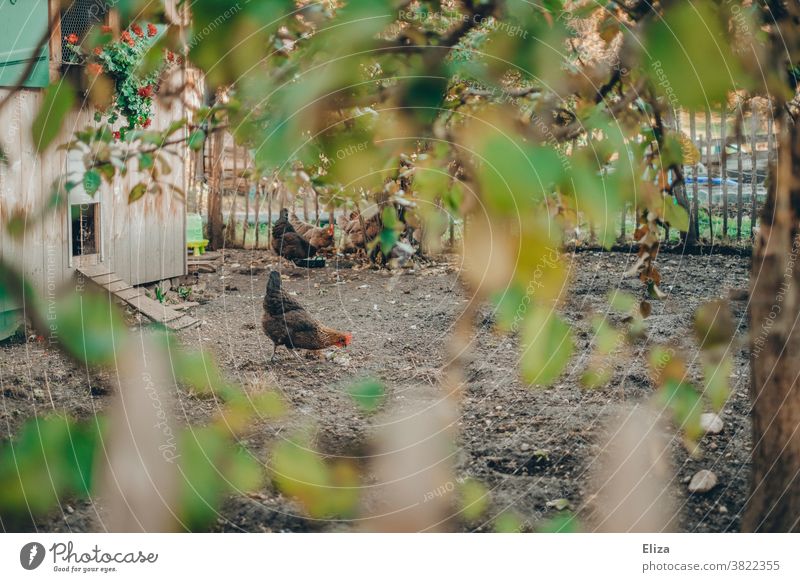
(694, 222)
(32, 248)
(259, 191)
(723, 164)
(710, 181)
(106, 279)
(152, 308)
(129, 293)
(753, 173)
(10, 184)
(184, 322)
(739, 185)
(92, 271)
(118, 286)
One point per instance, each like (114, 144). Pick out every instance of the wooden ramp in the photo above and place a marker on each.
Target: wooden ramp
(136, 298)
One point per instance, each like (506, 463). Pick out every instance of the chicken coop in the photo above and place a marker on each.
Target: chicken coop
(128, 244)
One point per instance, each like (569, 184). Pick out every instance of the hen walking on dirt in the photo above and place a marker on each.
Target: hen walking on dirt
(288, 324)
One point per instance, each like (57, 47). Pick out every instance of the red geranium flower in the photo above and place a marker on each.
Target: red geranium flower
(105, 29)
(116, 135)
(147, 122)
(145, 91)
(98, 51)
(151, 29)
(126, 37)
(72, 38)
(137, 30)
(170, 56)
(95, 68)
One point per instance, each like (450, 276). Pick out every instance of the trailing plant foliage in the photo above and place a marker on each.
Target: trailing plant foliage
(125, 60)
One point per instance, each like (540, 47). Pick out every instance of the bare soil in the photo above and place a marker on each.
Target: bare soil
(401, 322)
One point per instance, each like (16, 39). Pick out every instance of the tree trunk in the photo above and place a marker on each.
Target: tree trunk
(215, 221)
(774, 504)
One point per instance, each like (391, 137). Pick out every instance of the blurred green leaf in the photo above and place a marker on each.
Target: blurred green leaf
(507, 522)
(88, 326)
(564, 522)
(91, 182)
(515, 176)
(686, 407)
(137, 192)
(474, 499)
(547, 346)
(368, 394)
(621, 301)
(322, 490)
(717, 375)
(691, 57)
(196, 139)
(212, 467)
(57, 102)
(676, 215)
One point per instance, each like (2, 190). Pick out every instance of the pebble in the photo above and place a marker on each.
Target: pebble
(524, 447)
(703, 481)
(723, 509)
(711, 423)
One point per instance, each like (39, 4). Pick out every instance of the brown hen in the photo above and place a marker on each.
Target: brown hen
(287, 243)
(288, 324)
(319, 237)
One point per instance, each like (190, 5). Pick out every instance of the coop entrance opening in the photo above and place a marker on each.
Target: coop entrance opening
(85, 229)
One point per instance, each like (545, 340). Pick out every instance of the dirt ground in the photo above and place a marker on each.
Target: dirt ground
(400, 323)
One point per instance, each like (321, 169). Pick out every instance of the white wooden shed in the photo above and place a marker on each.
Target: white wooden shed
(140, 242)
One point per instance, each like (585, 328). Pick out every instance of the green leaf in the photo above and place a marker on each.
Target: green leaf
(91, 182)
(564, 522)
(137, 192)
(713, 324)
(716, 376)
(691, 57)
(88, 326)
(507, 522)
(474, 499)
(686, 407)
(324, 490)
(621, 301)
(196, 139)
(58, 100)
(547, 346)
(212, 467)
(676, 215)
(368, 394)
(146, 161)
(514, 175)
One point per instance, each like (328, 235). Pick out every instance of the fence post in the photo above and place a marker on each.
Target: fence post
(753, 170)
(230, 234)
(723, 167)
(710, 180)
(694, 218)
(215, 218)
(259, 190)
(740, 169)
(246, 224)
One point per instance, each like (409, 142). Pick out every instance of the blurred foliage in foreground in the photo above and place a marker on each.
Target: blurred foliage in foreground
(525, 119)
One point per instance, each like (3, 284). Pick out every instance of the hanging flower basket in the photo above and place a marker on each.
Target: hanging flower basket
(121, 60)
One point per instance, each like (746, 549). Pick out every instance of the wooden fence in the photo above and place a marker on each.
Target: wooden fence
(725, 188)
